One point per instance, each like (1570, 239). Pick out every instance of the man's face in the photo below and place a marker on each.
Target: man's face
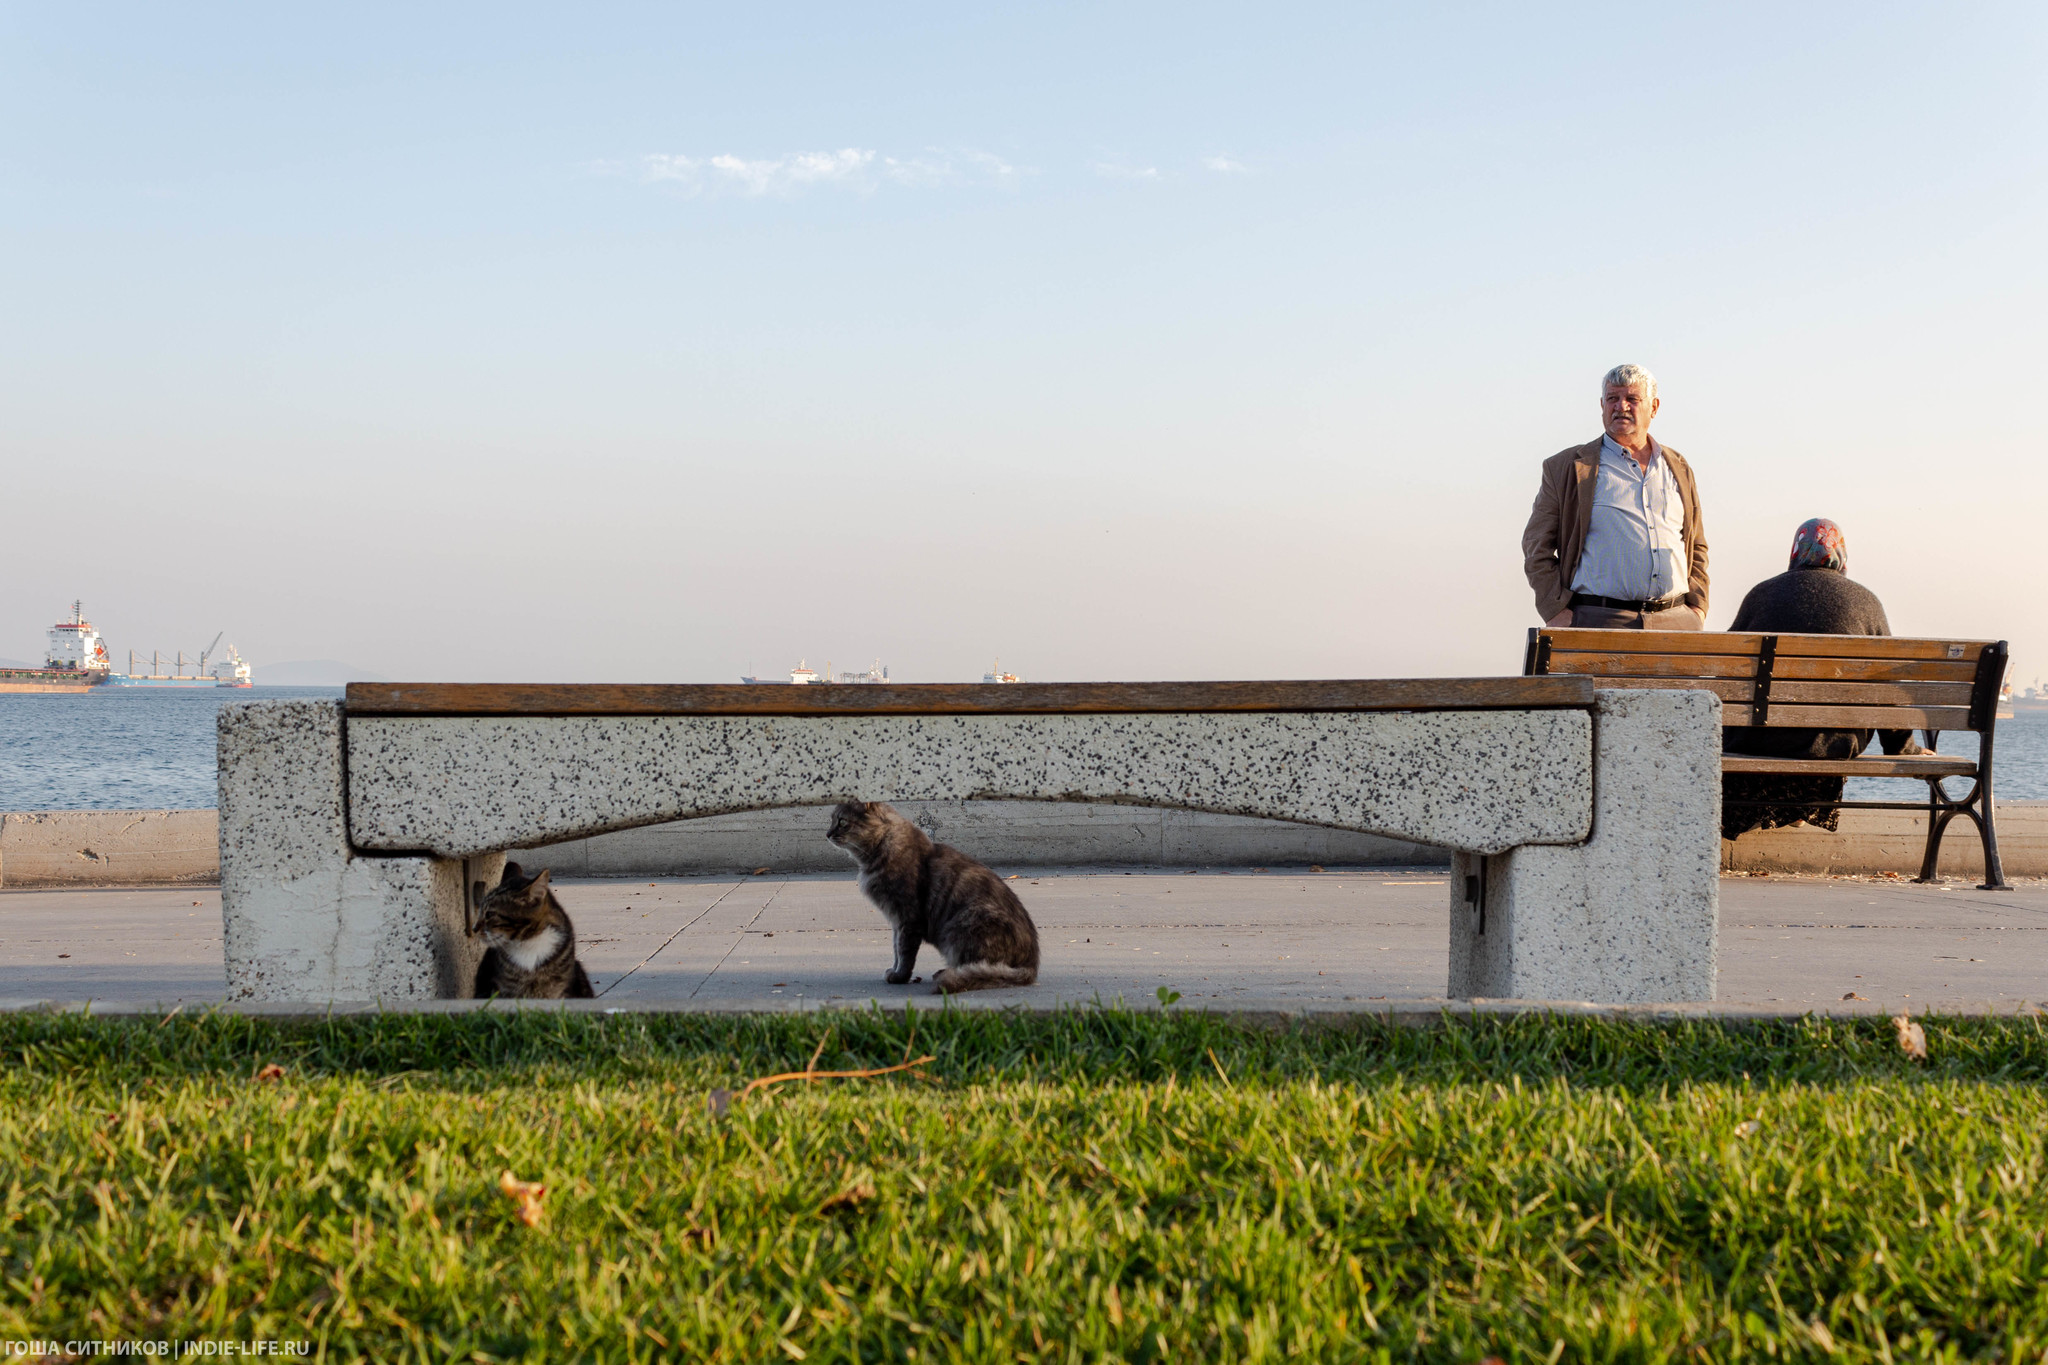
(1626, 413)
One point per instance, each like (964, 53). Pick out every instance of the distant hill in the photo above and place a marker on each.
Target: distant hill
(311, 673)
(17, 663)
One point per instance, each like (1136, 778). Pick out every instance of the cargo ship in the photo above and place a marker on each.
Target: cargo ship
(2032, 702)
(76, 660)
(228, 672)
(804, 676)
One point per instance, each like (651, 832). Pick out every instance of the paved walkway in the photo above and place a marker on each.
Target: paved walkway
(1287, 937)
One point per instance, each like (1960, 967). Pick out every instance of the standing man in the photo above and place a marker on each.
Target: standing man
(1614, 540)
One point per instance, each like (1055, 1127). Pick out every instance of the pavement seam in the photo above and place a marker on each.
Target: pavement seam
(737, 939)
(672, 938)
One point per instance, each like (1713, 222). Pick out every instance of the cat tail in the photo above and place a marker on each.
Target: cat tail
(981, 976)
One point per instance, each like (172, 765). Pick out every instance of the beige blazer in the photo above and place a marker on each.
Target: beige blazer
(1556, 535)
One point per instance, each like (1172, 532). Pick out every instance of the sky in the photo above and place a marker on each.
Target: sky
(671, 343)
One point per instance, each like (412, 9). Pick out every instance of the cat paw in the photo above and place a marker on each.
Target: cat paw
(896, 978)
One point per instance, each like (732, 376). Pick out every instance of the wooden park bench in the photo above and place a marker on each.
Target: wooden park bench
(353, 832)
(1827, 682)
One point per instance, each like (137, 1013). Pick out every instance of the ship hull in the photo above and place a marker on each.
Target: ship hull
(124, 680)
(48, 680)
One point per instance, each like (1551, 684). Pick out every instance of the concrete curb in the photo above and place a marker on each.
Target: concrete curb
(1416, 1013)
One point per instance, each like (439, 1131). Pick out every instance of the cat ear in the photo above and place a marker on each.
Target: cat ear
(512, 876)
(539, 885)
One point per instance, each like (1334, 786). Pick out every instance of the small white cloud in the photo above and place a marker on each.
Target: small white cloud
(1224, 164)
(938, 167)
(1114, 170)
(857, 168)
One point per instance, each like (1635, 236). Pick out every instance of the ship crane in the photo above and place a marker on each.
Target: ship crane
(204, 653)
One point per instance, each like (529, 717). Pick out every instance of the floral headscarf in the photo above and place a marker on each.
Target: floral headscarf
(1819, 544)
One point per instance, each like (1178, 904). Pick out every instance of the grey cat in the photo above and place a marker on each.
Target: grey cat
(938, 895)
(533, 946)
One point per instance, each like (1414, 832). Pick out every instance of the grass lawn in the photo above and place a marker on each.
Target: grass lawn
(1085, 1186)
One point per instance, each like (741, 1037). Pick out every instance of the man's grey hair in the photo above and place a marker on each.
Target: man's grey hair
(1627, 377)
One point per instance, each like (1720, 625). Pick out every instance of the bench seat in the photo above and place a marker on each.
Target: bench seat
(1884, 765)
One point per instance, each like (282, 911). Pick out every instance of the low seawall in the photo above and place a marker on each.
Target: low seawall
(109, 848)
(171, 847)
(1895, 841)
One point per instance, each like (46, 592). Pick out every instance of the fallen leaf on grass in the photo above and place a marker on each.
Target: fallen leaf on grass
(851, 1198)
(1747, 1128)
(1851, 995)
(527, 1194)
(273, 1072)
(1912, 1039)
(720, 1100)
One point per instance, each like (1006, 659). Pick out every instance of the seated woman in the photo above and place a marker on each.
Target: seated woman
(1813, 597)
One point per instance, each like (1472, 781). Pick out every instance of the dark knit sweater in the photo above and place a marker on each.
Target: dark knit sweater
(1810, 602)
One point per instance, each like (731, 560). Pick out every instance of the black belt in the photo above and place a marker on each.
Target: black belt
(1587, 599)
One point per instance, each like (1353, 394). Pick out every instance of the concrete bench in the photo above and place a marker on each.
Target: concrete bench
(1822, 682)
(1583, 823)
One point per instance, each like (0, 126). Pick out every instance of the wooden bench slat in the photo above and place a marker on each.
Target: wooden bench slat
(912, 699)
(1743, 690)
(1738, 666)
(1855, 717)
(1788, 691)
(1610, 665)
(1789, 646)
(1930, 765)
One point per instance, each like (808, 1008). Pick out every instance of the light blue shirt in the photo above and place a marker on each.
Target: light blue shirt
(1635, 542)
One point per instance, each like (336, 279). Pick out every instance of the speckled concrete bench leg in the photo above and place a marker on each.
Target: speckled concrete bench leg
(303, 916)
(1631, 915)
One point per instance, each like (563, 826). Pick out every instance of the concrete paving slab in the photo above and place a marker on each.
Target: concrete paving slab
(1279, 940)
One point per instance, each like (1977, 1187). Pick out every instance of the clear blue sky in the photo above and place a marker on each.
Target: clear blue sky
(613, 342)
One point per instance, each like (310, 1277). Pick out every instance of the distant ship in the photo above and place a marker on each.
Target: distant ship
(2032, 702)
(76, 660)
(804, 676)
(995, 674)
(228, 672)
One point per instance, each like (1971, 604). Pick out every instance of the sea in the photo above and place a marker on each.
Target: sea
(121, 748)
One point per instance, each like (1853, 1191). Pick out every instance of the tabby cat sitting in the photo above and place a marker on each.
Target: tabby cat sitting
(938, 895)
(532, 953)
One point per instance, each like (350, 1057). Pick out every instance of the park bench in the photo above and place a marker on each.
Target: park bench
(1827, 682)
(353, 831)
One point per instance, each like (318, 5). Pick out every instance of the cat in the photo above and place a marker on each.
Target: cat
(532, 953)
(934, 894)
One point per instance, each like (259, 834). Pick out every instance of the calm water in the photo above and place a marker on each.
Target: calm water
(120, 748)
(117, 748)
